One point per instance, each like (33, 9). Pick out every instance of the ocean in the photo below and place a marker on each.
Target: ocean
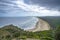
(22, 22)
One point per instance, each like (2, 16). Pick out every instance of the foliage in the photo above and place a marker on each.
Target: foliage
(20, 33)
(57, 33)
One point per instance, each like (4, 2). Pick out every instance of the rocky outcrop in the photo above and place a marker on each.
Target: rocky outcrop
(41, 25)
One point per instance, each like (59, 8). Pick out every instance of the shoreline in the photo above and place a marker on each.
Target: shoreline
(41, 25)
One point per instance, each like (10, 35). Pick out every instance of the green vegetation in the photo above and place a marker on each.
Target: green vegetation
(15, 32)
(57, 33)
(10, 32)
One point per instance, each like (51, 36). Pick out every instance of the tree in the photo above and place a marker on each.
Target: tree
(57, 33)
(17, 34)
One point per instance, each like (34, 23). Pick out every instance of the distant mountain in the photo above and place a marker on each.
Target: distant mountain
(54, 21)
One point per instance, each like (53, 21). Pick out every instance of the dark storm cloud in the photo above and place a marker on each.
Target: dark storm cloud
(50, 4)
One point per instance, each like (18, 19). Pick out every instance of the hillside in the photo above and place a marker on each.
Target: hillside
(10, 32)
(54, 21)
(4, 34)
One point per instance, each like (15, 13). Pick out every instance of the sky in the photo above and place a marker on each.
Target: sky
(23, 8)
(17, 8)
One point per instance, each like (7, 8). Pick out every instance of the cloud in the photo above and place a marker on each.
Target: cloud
(50, 4)
(25, 8)
(39, 10)
(6, 6)
(9, 8)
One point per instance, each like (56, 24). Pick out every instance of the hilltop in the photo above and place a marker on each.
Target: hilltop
(10, 32)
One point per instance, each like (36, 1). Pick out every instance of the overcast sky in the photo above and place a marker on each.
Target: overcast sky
(16, 8)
